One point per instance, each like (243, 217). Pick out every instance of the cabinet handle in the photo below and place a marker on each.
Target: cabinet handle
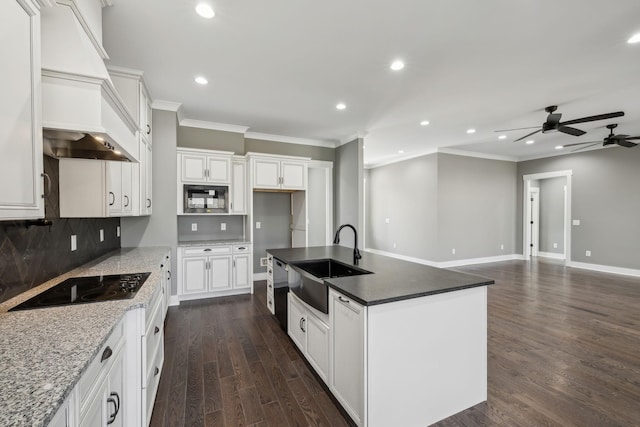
(269, 272)
(302, 323)
(148, 203)
(169, 273)
(114, 198)
(106, 354)
(343, 300)
(115, 399)
(234, 263)
(161, 265)
(127, 199)
(231, 205)
(148, 129)
(242, 248)
(156, 330)
(48, 179)
(208, 250)
(156, 371)
(270, 286)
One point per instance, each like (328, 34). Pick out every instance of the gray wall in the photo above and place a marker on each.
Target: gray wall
(209, 227)
(441, 202)
(159, 229)
(349, 193)
(551, 221)
(208, 139)
(606, 200)
(286, 149)
(273, 211)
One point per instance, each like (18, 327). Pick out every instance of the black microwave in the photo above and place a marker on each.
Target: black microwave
(206, 199)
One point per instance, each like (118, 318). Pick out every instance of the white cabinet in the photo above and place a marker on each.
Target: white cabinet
(145, 177)
(133, 91)
(348, 323)
(275, 173)
(20, 112)
(65, 416)
(206, 271)
(310, 333)
(95, 188)
(146, 114)
(208, 166)
(165, 281)
(238, 187)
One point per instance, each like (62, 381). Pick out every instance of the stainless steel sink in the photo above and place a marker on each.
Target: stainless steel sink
(306, 279)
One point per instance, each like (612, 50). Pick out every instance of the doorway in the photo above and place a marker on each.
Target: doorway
(538, 232)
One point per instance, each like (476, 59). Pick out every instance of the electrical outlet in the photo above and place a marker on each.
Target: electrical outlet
(502, 247)
(263, 262)
(74, 242)
(223, 226)
(101, 235)
(386, 220)
(394, 245)
(194, 226)
(555, 246)
(118, 231)
(453, 251)
(258, 225)
(576, 222)
(587, 253)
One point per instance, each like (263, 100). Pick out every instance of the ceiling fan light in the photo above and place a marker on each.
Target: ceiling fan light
(204, 10)
(529, 142)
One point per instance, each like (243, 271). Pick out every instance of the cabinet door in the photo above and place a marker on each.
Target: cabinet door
(115, 397)
(145, 115)
(347, 376)
(149, 179)
(238, 188)
(195, 273)
(218, 169)
(296, 322)
(294, 175)
(193, 167)
(318, 346)
(266, 173)
(20, 126)
(241, 271)
(96, 413)
(220, 273)
(114, 193)
(127, 188)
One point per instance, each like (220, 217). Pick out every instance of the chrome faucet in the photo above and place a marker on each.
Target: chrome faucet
(356, 252)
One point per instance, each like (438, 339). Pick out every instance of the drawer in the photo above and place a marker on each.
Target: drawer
(99, 366)
(154, 336)
(270, 304)
(270, 273)
(208, 250)
(269, 260)
(153, 380)
(241, 249)
(270, 287)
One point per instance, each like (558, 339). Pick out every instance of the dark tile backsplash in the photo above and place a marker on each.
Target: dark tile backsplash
(31, 255)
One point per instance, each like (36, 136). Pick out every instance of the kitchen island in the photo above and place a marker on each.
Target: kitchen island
(405, 345)
(45, 352)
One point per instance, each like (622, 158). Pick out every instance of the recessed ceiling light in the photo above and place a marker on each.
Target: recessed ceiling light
(204, 10)
(502, 137)
(397, 65)
(201, 80)
(341, 106)
(117, 152)
(529, 142)
(99, 138)
(559, 147)
(400, 151)
(471, 131)
(424, 123)
(634, 39)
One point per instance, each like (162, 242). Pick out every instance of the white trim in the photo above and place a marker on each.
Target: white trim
(400, 159)
(201, 295)
(550, 255)
(259, 276)
(605, 268)
(290, 139)
(203, 151)
(546, 175)
(213, 125)
(359, 135)
(320, 164)
(448, 264)
(97, 44)
(124, 72)
(159, 104)
(174, 300)
(275, 156)
(464, 153)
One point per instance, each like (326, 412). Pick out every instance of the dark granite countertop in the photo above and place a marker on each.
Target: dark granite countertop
(393, 279)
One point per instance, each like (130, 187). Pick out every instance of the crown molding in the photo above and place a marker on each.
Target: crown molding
(351, 138)
(399, 159)
(213, 125)
(159, 104)
(290, 139)
(476, 154)
(124, 71)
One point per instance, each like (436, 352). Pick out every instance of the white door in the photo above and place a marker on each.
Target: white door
(220, 273)
(241, 271)
(296, 323)
(127, 188)
(114, 199)
(266, 173)
(298, 219)
(218, 169)
(193, 167)
(533, 225)
(318, 346)
(294, 175)
(194, 275)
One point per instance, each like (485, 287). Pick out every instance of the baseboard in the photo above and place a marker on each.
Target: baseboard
(551, 255)
(174, 300)
(605, 268)
(259, 276)
(448, 264)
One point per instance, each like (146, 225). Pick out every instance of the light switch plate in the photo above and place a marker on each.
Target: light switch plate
(223, 226)
(576, 222)
(258, 225)
(74, 242)
(263, 262)
(587, 253)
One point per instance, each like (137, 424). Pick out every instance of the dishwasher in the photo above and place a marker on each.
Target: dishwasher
(280, 290)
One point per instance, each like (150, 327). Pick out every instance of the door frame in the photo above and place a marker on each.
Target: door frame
(567, 211)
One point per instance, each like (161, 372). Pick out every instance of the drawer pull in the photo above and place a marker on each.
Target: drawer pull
(156, 330)
(346, 301)
(208, 250)
(156, 371)
(116, 404)
(106, 354)
(242, 248)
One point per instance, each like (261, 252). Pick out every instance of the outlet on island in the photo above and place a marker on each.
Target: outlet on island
(74, 242)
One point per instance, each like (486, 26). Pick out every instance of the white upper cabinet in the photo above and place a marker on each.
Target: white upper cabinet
(204, 166)
(20, 112)
(133, 91)
(238, 187)
(279, 173)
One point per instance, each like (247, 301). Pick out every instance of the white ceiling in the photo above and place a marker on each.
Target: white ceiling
(280, 66)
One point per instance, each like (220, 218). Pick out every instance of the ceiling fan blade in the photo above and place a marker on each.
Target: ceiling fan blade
(582, 148)
(509, 130)
(528, 135)
(594, 118)
(554, 119)
(581, 143)
(570, 131)
(625, 143)
(632, 137)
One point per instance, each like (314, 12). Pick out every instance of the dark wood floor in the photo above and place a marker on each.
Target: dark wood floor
(564, 350)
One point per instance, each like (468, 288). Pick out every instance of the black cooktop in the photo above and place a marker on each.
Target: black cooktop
(82, 290)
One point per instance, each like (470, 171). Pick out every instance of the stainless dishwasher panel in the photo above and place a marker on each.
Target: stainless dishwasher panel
(280, 290)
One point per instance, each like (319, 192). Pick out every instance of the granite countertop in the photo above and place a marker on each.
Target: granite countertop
(45, 351)
(392, 279)
(188, 243)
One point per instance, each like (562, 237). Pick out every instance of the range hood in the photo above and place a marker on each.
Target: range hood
(82, 113)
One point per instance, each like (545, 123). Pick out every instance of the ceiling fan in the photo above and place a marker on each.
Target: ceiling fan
(622, 140)
(553, 123)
